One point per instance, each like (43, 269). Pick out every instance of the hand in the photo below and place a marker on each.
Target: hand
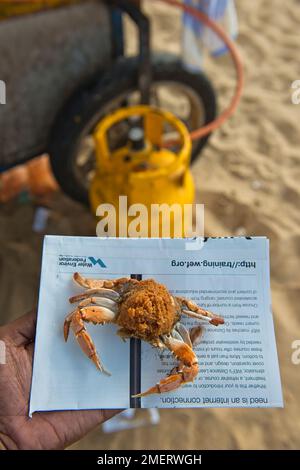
(54, 430)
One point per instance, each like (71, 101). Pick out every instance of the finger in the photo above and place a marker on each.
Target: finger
(22, 331)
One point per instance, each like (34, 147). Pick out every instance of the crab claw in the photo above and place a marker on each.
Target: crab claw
(186, 372)
(75, 320)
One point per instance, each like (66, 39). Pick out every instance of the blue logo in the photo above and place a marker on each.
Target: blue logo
(98, 261)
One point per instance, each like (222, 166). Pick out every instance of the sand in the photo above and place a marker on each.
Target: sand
(247, 178)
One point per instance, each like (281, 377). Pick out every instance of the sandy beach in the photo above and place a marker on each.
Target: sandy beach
(248, 178)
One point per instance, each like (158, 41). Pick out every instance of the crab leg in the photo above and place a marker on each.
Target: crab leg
(196, 334)
(190, 309)
(186, 372)
(193, 338)
(103, 292)
(76, 319)
(183, 332)
(67, 325)
(99, 283)
(101, 302)
(91, 283)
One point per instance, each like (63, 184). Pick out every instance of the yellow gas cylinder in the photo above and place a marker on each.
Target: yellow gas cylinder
(154, 177)
(10, 8)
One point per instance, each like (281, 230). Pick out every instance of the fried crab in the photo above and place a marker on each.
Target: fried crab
(141, 309)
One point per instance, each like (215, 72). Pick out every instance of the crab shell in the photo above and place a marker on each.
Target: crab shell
(147, 311)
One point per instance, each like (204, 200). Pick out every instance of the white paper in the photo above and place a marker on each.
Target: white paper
(230, 276)
(131, 419)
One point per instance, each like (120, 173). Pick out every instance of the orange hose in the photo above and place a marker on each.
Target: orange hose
(227, 113)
